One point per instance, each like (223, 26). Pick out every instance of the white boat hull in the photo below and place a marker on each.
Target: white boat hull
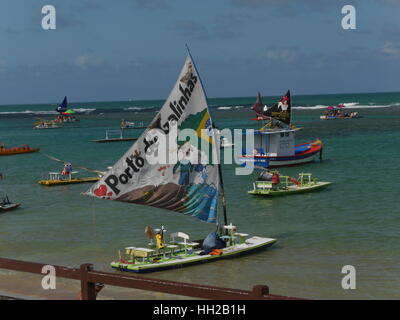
(252, 244)
(285, 163)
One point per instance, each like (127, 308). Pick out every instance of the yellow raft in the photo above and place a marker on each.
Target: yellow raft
(55, 179)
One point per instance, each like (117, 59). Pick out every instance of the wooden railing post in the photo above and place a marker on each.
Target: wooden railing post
(88, 289)
(259, 291)
(93, 281)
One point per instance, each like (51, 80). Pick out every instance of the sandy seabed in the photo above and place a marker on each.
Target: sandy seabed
(28, 286)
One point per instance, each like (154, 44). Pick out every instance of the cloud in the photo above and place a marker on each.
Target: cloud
(189, 28)
(88, 60)
(198, 31)
(391, 49)
(87, 5)
(291, 8)
(281, 54)
(224, 26)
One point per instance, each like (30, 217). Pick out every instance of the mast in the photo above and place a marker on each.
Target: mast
(222, 193)
(290, 107)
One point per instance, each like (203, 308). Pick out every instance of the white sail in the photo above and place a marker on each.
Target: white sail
(190, 184)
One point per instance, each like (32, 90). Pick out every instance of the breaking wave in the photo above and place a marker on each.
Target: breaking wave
(349, 105)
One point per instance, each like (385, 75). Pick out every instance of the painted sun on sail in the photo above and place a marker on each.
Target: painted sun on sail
(190, 184)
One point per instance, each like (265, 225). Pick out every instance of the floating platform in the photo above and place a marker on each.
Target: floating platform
(56, 179)
(119, 139)
(66, 181)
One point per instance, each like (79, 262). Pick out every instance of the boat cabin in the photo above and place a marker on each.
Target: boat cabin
(273, 143)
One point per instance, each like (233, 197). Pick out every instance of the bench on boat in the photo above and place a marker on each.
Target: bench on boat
(59, 176)
(182, 244)
(234, 237)
(174, 245)
(144, 253)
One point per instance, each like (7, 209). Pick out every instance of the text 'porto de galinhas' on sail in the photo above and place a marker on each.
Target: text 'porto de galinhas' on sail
(190, 184)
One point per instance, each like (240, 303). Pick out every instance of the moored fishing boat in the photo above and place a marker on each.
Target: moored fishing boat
(16, 150)
(274, 143)
(335, 112)
(191, 185)
(268, 185)
(277, 148)
(7, 205)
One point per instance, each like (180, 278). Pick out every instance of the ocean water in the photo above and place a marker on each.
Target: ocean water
(353, 222)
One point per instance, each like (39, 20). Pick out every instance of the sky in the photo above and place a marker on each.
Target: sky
(105, 50)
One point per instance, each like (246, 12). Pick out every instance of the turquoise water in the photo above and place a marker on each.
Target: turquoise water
(354, 222)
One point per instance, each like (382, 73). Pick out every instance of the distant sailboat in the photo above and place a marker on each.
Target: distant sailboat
(258, 107)
(63, 106)
(66, 115)
(281, 110)
(191, 186)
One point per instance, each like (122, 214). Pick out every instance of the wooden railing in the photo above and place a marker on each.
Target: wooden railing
(90, 280)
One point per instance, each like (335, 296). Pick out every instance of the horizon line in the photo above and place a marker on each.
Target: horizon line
(235, 97)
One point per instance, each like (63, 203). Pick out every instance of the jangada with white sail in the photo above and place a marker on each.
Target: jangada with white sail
(192, 184)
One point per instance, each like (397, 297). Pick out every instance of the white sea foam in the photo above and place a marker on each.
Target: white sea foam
(348, 105)
(46, 112)
(139, 108)
(84, 110)
(230, 107)
(224, 108)
(311, 107)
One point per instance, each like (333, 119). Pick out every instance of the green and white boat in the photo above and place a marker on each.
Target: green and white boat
(185, 253)
(187, 180)
(288, 185)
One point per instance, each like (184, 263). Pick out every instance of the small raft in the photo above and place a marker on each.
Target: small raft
(7, 205)
(304, 184)
(56, 179)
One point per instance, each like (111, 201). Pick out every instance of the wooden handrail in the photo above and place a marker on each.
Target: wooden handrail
(90, 277)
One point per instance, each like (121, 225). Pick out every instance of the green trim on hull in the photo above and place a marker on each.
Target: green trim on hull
(292, 190)
(181, 262)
